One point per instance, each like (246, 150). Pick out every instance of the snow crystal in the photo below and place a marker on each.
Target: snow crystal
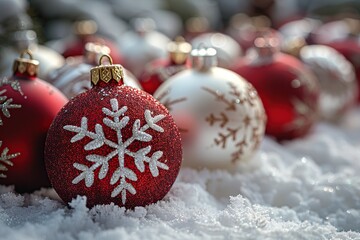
(303, 189)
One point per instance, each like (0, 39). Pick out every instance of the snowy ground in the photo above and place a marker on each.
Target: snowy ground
(305, 189)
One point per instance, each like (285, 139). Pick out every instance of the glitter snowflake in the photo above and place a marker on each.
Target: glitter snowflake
(6, 104)
(117, 122)
(5, 160)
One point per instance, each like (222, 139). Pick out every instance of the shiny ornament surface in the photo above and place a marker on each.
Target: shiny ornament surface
(338, 85)
(219, 113)
(350, 49)
(113, 143)
(28, 105)
(73, 78)
(228, 50)
(158, 71)
(142, 46)
(288, 90)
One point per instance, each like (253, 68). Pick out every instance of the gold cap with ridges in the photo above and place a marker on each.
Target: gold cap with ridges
(106, 73)
(26, 66)
(179, 50)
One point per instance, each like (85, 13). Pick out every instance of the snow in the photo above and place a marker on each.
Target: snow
(303, 189)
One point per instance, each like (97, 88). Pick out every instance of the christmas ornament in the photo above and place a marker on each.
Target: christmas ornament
(113, 143)
(219, 114)
(73, 77)
(158, 71)
(301, 28)
(287, 89)
(350, 49)
(26, 39)
(228, 50)
(336, 76)
(142, 45)
(85, 32)
(28, 105)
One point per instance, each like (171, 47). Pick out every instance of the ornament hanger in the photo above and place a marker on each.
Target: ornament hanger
(106, 73)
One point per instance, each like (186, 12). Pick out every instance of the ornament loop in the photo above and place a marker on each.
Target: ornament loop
(106, 73)
(108, 57)
(28, 52)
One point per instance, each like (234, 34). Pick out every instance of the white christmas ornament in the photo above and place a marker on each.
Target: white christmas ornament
(219, 114)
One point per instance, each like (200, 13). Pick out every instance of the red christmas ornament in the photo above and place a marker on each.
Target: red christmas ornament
(158, 71)
(86, 32)
(28, 105)
(113, 143)
(287, 89)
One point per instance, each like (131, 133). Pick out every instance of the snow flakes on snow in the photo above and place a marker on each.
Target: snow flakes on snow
(304, 189)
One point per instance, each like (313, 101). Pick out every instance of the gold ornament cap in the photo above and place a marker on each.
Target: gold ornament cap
(179, 50)
(26, 66)
(106, 73)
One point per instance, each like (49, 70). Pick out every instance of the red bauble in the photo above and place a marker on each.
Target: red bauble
(113, 143)
(287, 89)
(159, 70)
(28, 107)
(85, 33)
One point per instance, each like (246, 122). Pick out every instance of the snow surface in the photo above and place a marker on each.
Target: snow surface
(304, 189)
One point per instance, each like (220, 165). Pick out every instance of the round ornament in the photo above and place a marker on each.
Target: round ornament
(288, 90)
(350, 49)
(336, 77)
(113, 143)
(73, 78)
(228, 50)
(85, 32)
(28, 105)
(219, 113)
(142, 45)
(158, 71)
(27, 39)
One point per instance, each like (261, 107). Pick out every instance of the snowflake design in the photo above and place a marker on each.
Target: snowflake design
(227, 133)
(117, 122)
(7, 103)
(5, 160)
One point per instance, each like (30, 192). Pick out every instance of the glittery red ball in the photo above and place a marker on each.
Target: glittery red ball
(289, 93)
(27, 108)
(157, 72)
(116, 144)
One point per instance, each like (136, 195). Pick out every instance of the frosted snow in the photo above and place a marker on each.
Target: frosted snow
(303, 189)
